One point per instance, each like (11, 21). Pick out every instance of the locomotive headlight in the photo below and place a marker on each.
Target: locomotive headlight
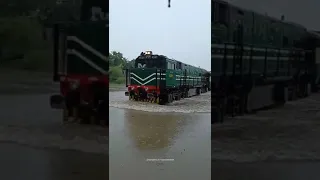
(146, 88)
(74, 85)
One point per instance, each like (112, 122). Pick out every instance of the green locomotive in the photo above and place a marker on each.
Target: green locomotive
(159, 79)
(232, 24)
(81, 65)
(257, 60)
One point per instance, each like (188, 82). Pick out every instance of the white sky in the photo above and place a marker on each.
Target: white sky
(182, 32)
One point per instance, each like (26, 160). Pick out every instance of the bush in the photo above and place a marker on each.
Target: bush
(23, 37)
(115, 73)
(120, 80)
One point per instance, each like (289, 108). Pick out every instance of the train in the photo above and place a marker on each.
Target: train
(81, 64)
(259, 61)
(161, 80)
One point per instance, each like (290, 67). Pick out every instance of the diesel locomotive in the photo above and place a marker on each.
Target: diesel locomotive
(259, 61)
(159, 79)
(81, 64)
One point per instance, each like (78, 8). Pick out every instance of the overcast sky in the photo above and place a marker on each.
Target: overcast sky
(182, 32)
(304, 12)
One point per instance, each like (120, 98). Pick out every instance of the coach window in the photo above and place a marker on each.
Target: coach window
(170, 65)
(285, 41)
(215, 11)
(220, 13)
(179, 65)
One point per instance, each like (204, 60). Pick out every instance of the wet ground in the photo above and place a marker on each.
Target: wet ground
(34, 144)
(141, 131)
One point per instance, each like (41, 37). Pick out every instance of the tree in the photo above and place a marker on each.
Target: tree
(117, 59)
(117, 64)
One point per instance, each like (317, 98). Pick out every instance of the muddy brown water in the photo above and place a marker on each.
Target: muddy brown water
(140, 131)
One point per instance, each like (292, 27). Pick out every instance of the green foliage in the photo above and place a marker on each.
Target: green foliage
(120, 80)
(22, 44)
(117, 59)
(117, 64)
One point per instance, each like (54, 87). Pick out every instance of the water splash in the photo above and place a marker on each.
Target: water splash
(197, 104)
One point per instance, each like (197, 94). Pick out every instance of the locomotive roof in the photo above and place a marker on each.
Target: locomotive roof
(187, 64)
(270, 17)
(315, 34)
(176, 61)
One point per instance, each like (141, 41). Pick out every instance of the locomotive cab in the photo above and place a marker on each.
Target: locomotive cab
(145, 78)
(159, 79)
(148, 60)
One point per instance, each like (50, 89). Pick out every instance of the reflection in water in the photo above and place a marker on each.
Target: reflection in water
(153, 131)
(136, 136)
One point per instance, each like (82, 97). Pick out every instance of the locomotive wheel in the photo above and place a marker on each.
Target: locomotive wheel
(163, 99)
(74, 114)
(179, 97)
(198, 91)
(170, 98)
(65, 115)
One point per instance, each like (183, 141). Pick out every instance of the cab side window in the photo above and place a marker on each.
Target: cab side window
(171, 65)
(179, 65)
(220, 14)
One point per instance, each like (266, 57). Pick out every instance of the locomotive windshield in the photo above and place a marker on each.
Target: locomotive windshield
(151, 61)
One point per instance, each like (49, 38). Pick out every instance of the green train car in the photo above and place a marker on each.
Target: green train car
(257, 60)
(81, 64)
(84, 44)
(159, 79)
(231, 24)
(254, 44)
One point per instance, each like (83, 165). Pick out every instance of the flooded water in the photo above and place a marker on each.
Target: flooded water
(290, 133)
(197, 104)
(280, 144)
(29, 120)
(266, 171)
(20, 162)
(141, 131)
(34, 144)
